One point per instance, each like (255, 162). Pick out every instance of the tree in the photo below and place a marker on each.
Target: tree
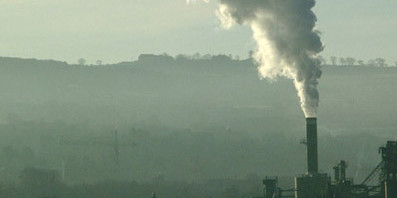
(196, 55)
(360, 62)
(395, 63)
(371, 62)
(207, 56)
(251, 54)
(350, 61)
(333, 60)
(322, 60)
(9, 153)
(380, 62)
(342, 61)
(99, 62)
(41, 182)
(81, 61)
(232, 191)
(181, 57)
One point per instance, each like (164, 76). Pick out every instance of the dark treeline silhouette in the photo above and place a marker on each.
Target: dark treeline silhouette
(350, 61)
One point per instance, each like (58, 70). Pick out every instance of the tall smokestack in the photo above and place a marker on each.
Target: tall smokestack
(311, 138)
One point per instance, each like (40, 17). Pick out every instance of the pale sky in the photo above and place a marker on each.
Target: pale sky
(120, 30)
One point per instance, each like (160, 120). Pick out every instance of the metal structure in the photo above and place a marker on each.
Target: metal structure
(319, 185)
(389, 169)
(313, 184)
(270, 187)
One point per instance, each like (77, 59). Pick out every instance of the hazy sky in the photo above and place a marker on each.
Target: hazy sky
(120, 30)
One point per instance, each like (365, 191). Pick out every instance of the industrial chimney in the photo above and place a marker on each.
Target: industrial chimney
(311, 138)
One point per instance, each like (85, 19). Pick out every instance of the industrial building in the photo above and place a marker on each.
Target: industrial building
(314, 184)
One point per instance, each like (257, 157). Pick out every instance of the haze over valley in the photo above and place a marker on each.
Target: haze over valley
(166, 108)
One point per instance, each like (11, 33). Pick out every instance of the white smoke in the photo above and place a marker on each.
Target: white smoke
(287, 41)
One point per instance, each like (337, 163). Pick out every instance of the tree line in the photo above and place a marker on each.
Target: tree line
(333, 60)
(342, 61)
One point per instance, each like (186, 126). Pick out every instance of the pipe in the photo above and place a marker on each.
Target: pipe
(343, 167)
(336, 174)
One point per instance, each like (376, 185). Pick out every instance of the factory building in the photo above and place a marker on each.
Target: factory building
(314, 184)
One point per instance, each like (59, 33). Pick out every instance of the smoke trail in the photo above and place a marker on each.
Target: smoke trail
(287, 42)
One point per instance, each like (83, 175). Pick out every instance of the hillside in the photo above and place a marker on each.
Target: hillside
(167, 108)
(192, 93)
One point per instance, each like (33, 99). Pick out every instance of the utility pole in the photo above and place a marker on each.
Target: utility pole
(116, 149)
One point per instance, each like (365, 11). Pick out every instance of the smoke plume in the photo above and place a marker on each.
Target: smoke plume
(287, 41)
